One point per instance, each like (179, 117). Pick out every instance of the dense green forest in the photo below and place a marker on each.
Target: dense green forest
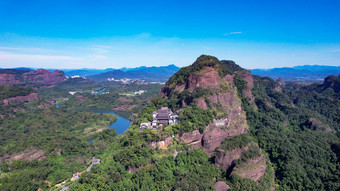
(50, 143)
(299, 129)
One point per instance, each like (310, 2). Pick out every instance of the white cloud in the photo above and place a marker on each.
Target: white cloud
(231, 33)
(10, 60)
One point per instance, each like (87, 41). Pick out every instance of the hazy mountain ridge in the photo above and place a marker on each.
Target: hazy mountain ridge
(162, 73)
(299, 73)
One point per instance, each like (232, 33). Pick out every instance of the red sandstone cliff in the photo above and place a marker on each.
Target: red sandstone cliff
(223, 96)
(220, 81)
(21, 99)
(41, 76)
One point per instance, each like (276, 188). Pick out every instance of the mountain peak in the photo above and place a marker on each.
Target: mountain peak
(206, 60)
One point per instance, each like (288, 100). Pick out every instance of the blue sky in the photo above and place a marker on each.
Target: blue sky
(124, 33)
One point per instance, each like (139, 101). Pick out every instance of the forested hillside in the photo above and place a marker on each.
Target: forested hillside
(235, 131)
(295, 127)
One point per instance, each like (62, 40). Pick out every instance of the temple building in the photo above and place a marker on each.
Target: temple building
(162, 117)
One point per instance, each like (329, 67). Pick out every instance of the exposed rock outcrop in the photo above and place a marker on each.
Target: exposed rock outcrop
(317, 125)
(193, 138)
(224, 159)
(162, 144)
(221, 186)
(281, 82)
(44, 76)
(215, 82)
(254, 169)
(33, 154)
(41, 76)
(21, 99)
(207, 78)
(246, 76)
(216, 85)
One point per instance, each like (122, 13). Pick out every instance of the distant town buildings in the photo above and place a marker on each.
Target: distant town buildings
(77, 76)
(161, 118)
(131, 81)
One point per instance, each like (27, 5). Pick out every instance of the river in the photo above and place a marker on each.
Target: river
(121, 125)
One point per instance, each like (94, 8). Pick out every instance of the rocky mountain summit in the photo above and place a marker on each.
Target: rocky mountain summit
(41, 76)
(218, 87)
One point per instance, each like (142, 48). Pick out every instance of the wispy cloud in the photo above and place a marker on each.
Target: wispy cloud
(336, 50)
(232, 33)
(26, 49)
(97, 57)
(10, 60)
(144, 35)
(102, 46)
(99, 50)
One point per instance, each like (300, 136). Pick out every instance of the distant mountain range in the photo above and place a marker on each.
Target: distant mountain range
(163, 73)
(299, 73)
(158, 74)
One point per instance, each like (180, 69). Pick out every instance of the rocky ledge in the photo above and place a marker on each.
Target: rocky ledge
(21, 99)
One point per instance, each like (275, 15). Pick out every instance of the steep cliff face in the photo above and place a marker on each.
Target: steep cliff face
(44, 76)
(246, 161)
(219, 86)
(41, 76)
(212, 86)
(224, 159)
(253, 169)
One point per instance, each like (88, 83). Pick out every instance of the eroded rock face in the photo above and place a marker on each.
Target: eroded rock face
(221, 186)
(207, 78)
(34, 154)
(201, 103)
(246, 76)
(21, 99)
(281, 82)
(162, 144)
(317, 125)
(44, 76)
(193, 138)
(41, 76)
(215, 134)
(218, 130)
(213, 138)
(224, 159)
(254, 169)
(9, 79)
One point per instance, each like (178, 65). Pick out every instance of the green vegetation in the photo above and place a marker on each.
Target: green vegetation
(235, 142)
(192, 118)
(51, 143)
(10, 91)
(302, 157)
(47, 128)
(189, 171)
(295, 132)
